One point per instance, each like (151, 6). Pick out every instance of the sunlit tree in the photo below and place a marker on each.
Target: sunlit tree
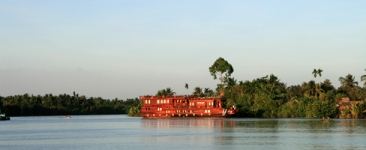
(221, 68)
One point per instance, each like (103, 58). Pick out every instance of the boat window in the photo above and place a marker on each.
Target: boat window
(158, 101)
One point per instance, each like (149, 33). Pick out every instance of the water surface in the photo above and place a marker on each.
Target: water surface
(123, 132)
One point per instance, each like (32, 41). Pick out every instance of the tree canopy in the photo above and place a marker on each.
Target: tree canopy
(221, 67)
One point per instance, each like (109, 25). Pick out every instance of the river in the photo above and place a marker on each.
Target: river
(123, 132)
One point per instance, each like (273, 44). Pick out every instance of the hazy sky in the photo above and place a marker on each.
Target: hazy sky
(124, 49)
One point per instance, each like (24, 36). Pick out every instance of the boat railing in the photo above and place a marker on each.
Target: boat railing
(177, 96)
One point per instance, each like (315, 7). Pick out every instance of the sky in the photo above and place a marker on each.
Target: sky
(128, 48)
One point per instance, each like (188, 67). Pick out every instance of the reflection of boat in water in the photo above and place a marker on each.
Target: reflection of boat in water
(67, 116)
(3, 116)
(184, 106)
(209, 122)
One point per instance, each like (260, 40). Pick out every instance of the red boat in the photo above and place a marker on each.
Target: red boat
(184, 106)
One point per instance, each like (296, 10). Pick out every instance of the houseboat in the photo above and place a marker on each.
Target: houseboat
(184, 106)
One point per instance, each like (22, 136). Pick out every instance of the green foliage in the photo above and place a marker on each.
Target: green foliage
(345, 113)
(197, 91)
(63, 104)
(221, 67)
(288, 110)
(165, 92)
(363, 78)
(339, 96)
(349, 87)
(357, 110)
(317, 72)
(208, 92)
(135, 111)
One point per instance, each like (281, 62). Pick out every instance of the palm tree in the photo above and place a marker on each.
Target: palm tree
(197, 91)
(165, 92)
(208, 92)
(317, 72)
(349, 86)
(318, 86)
(320, 72)
(310, 88)
(169, 92)
(363, 78)
(186, 86)
(348, 81)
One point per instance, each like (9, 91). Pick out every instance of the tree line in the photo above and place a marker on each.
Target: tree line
(268, 97)
(63, 104)
(265, 96)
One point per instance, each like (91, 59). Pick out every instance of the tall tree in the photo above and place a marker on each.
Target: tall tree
(317, 72)
(349, 86)
(317, 86)
(221, 67)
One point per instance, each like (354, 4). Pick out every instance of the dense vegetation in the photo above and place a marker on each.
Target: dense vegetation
(63, 104)
(268, 97)
(265, 97)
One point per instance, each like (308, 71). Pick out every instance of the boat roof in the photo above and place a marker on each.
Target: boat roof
(190, 97)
